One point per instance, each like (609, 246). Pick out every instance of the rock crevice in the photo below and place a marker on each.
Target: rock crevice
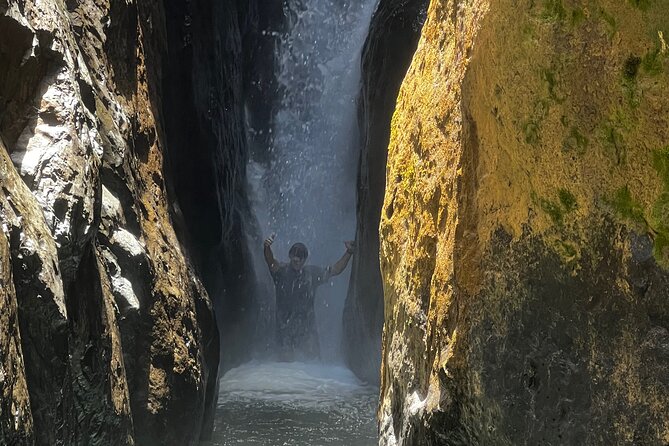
(388, 50)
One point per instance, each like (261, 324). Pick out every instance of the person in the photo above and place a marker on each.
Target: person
(296, 284)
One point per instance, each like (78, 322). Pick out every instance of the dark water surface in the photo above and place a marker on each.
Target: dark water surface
(296, 404)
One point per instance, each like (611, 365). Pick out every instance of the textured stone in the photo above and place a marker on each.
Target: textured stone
(116, 329)
(524, 228)
(16, 423)
(40, 297)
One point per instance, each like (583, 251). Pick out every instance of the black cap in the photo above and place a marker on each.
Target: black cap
(299, 250)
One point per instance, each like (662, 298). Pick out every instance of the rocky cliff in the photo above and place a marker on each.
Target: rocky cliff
(109, 335)
(524, 247)
(203, 96)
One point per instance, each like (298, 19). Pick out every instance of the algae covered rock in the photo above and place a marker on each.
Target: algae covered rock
(524, 229)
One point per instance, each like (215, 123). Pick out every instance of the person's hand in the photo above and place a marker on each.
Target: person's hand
(269, 240)
(350, 246)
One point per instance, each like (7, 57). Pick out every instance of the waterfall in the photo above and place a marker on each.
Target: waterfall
(306, 191)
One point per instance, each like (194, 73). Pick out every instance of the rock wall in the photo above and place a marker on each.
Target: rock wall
(116, 341)
(15, 414)
(204, 85)
(392, 39)
(524, 228)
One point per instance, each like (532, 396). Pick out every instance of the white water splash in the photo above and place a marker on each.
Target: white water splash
(307, 193)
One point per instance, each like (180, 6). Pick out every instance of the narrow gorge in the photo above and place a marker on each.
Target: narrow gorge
(503, 168)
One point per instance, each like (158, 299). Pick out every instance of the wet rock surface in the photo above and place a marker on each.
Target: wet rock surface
(204, 84)
(39, 293)
(16, 423)
(118, 342)
(523, 245)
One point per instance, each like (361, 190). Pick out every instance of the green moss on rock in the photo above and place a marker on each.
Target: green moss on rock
(661, 249)
(553, 210)
(631, 67)
(652, 62)
(576, 141)
(577, 16)
(641, 4)
(626, 207)
(659, 218)
(557, 210)
(661, 164)
(567, 199)
(553, 10)
(549, 76)
(612, 139)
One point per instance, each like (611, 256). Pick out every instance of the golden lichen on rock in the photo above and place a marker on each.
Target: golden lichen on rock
(586, 135)
(528, 160)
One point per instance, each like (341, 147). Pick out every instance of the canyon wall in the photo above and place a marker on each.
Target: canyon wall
(524, 238)
(204, 83)
(391, 41)
(109, 336)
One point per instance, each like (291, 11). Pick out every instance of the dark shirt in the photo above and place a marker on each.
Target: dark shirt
(295, 318)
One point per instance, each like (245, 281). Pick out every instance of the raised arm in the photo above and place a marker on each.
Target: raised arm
(340, 266)
(272, 264)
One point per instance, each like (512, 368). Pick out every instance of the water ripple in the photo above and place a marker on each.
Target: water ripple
(297, 404)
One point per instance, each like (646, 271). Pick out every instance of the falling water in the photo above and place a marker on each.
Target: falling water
(306, 192)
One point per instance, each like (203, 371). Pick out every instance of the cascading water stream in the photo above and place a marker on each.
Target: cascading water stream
(306, 192)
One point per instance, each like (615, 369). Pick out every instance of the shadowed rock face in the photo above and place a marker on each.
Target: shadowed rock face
(35, 285)
(523, 252)
(203, 98)
(16, 423)
(118, 342)
(392, 39)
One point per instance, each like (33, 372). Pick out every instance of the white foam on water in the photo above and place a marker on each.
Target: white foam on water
(294, 404)
(312, 386)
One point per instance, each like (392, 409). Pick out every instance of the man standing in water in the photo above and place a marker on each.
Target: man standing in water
(295, 285)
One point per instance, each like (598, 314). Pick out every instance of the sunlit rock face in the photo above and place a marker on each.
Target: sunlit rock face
(388, 49)
(114, 333)
(524, 230)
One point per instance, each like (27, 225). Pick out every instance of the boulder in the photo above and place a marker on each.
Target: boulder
(524, 228)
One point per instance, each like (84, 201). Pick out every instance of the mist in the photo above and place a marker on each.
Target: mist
(305, 189)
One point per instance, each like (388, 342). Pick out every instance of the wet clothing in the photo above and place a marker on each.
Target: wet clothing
(295, 317)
